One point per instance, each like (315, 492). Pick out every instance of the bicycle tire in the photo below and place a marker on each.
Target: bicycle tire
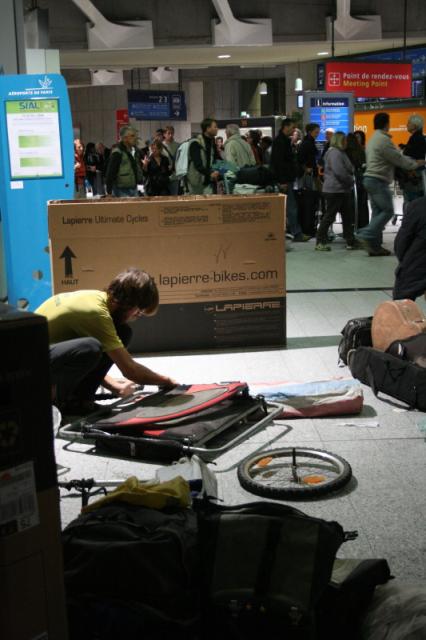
(253, 479)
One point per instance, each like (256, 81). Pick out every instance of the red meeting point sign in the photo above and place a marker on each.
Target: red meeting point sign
(369, 79)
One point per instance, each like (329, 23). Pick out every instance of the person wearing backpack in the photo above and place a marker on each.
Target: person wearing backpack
(124, 170)
(201, 156)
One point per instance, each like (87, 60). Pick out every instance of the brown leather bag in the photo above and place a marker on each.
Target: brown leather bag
(396, 320)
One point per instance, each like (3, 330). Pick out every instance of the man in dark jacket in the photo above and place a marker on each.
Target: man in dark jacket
(283, 166)
(410, 249)
(309, 194)
(412, 183)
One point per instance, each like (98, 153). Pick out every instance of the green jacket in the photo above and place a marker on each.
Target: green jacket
(124, 171)
(239, 152)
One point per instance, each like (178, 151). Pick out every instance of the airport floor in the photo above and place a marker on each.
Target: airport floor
(386, 446)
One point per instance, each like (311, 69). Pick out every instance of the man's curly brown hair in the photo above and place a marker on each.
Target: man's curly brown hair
(134, 288)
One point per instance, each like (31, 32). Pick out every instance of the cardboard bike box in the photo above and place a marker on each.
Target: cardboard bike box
(219, 263)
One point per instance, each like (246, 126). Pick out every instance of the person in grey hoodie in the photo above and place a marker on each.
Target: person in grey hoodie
(382, 158)
(237, 150)
(337, 191)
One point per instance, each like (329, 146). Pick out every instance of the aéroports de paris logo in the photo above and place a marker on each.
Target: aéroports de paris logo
(45, 83)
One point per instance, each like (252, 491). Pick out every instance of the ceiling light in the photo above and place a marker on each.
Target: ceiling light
(298, 84)
(224, 55)
(263, 88)
(323, 53)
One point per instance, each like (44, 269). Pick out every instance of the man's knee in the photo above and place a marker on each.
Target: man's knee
(82, 350)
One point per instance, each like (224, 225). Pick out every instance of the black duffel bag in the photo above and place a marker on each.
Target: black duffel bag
(384, 372)
(356, 333)
(258, 175)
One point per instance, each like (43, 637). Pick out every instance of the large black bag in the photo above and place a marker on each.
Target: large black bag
(258, 175)
(264, 568)
(384, 372)
(139, 557)
(356, 333)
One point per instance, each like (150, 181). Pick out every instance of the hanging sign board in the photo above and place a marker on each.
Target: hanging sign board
(369, 79)
(156, 105)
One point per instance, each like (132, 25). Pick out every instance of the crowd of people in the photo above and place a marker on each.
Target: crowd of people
(341, 178)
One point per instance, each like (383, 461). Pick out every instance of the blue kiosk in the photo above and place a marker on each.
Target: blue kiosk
(36, 165)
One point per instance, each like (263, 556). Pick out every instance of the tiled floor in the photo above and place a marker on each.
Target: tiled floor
(386, 499)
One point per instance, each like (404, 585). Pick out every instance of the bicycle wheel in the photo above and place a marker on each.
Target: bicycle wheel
(293, 472)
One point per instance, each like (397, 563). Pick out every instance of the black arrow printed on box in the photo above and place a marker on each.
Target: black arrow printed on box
(67, 255)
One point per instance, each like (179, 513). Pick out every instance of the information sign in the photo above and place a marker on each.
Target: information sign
(34, 139)
(156, 105)
(330, 112)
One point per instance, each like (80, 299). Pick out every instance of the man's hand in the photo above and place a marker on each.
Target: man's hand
(214, 176)
(122, 387)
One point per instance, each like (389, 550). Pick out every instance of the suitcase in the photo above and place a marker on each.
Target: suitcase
(396, 320)
(384, 372)
(168, 425)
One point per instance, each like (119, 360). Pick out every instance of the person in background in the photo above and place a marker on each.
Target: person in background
(79, 169)
(145, 150)
(89, 332)
(337, 191)
(253, 138)
(158, 135)
(124, 171)
(410, 249)
(412, 182)
(360, 136)
(266, 145)
(356, 154)
(382, 158)
(220, 148)
(91, 161)
(156, 171)
(201, 179)
(308, 182)
(296, 139)
(103, 157)
(170, 147)
(283, 166)
(237, 150)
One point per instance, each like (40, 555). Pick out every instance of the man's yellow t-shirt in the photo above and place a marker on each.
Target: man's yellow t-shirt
(80, 314)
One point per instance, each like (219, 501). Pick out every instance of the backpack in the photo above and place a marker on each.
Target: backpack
(133, 554)
(356, 333)
(182, 158)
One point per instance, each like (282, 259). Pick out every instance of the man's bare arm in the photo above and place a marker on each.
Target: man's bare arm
(136, 372)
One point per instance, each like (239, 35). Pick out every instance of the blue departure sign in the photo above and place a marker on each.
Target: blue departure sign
(156, 105)
(330, 111)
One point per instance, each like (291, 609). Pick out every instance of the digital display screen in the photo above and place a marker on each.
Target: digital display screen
(333, 113)
(156, 105)
(34, 138)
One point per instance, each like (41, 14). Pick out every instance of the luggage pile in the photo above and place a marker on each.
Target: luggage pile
(388, 351)
(208, 571)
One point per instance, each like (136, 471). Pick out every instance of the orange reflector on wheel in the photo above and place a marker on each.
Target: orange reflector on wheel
(313, 479)
(264, 461)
